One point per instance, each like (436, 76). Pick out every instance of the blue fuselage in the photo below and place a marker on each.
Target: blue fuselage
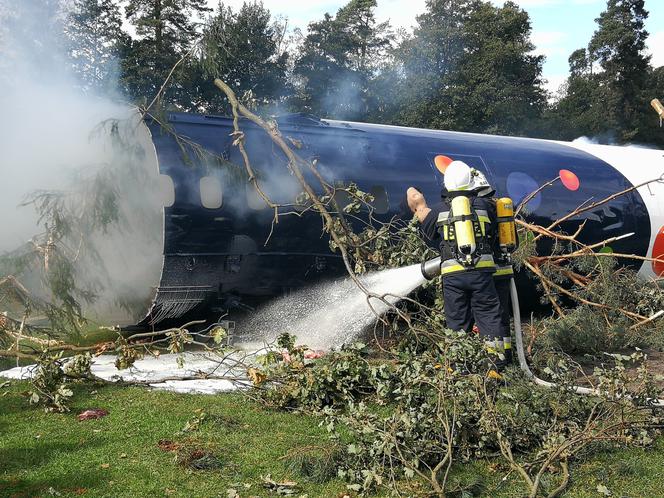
(217, 258)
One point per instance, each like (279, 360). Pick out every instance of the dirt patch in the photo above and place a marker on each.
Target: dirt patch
(191, 454)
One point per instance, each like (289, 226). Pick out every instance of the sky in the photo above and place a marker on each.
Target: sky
(559, 26)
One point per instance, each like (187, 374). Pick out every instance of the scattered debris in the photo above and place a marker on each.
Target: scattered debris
(201, 460)
(284, 488)
(604, 490)
(318, 463)
(93, 413)
(194, 423)
(191, 455)
(195, 457)
(257, 377)
(168, 445)
(313, 355)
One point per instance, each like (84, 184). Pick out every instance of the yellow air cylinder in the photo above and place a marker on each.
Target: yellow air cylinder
(506, 228)
(463, 229)
(659, 108)
(657, 105)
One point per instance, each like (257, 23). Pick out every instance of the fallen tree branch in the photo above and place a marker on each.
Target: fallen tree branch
(580, 299)
(611, 197)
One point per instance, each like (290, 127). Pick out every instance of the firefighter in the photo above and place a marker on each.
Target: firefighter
(469, 292)
(504, 271)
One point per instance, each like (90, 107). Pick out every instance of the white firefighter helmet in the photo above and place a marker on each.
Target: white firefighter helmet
(458, 176)
(480, 184)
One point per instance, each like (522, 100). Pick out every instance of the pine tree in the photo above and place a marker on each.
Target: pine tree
(94, 29)
(496, 84)
(618, 46)
(166, 30)
(32, 40)
(580, 110)
(366, 38)
(337, 61)
(244, 49)
(468, 66)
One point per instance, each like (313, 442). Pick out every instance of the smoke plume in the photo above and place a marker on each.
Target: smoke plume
(52, 138)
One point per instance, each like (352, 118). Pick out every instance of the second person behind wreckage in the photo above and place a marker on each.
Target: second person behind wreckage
(502, 251)
(464, 224)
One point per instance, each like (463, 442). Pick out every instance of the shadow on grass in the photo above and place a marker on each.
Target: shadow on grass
(15, 401)
(70, 483)
(25, 457)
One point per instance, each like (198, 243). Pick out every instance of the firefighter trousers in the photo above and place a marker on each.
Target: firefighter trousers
(471, 296)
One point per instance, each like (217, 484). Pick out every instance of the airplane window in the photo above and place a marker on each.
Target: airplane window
(381, 204)
(166, 190)
(211, 194)
(519, 186)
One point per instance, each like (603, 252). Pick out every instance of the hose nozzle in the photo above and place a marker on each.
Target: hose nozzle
(431, 269)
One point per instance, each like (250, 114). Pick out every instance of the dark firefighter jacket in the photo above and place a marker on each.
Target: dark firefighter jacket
(431, 230)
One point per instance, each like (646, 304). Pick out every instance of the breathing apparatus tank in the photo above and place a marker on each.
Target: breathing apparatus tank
(506, 227)
(464, 231)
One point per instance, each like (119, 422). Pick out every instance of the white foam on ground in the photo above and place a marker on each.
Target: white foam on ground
(163, 372)
(323, 317)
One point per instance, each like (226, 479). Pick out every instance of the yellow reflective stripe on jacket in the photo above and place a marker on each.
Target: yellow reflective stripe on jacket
(452, 265)
(503, 270)
(452, 269)
(485, 264)
(483, 219)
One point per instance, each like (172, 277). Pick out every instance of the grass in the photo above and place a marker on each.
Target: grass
(119, 456)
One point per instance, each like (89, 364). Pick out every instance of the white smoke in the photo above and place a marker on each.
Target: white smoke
(47, 143)
(597, 141)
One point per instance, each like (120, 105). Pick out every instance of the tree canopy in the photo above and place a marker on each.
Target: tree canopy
(611, 81)
(467, 65)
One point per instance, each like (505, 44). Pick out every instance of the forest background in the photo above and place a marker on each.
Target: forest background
(467, 65)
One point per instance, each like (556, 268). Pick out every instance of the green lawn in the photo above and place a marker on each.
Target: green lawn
(119, 455)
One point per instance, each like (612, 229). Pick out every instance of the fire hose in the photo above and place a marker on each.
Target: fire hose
(514, 295)
(431, 269)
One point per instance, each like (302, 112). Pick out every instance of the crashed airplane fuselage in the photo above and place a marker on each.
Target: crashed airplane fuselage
(222, 252)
